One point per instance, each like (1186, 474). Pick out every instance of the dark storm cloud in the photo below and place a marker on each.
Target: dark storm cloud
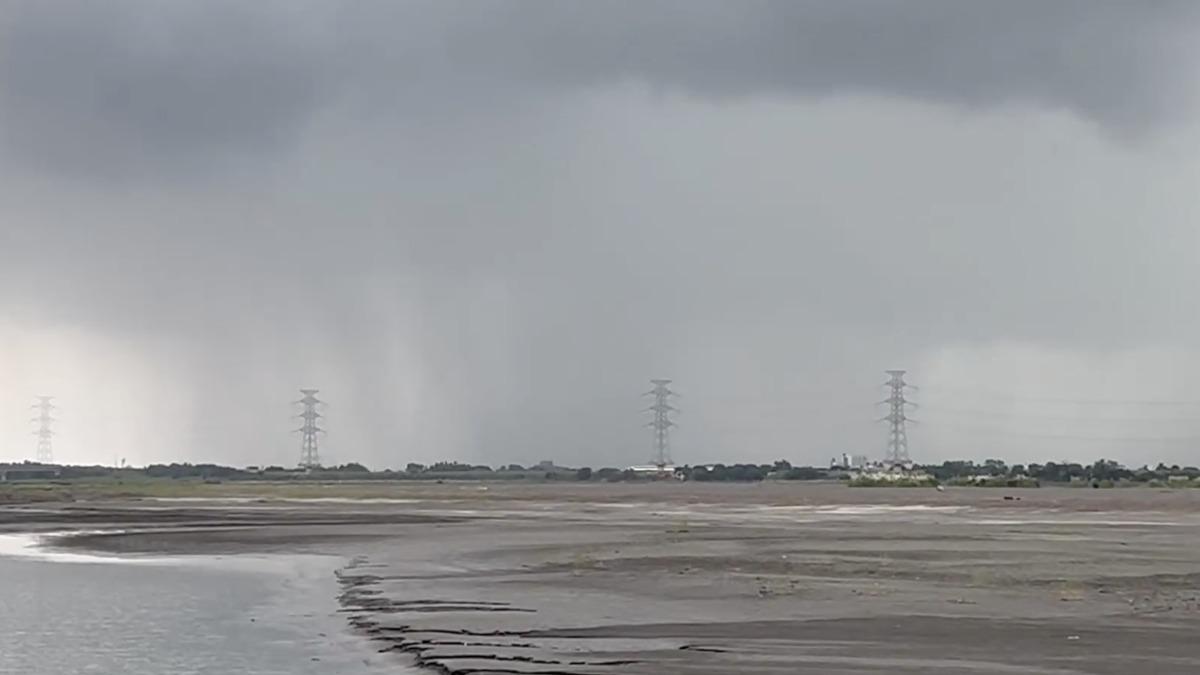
(1116, 62)
(135, 84)
(479, 227)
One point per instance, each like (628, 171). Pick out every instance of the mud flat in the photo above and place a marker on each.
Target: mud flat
(696, 579)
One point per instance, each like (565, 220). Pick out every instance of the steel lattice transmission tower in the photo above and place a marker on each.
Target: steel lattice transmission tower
(661, 424)
(897, 418)
(310, 458)
(45, 430)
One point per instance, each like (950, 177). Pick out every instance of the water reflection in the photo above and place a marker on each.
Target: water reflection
(174, 617)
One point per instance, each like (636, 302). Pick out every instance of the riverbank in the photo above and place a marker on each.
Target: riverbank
(697, 579)
(16, 493)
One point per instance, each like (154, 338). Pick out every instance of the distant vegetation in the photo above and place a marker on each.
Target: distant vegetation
(991, 473)
(1101, 473)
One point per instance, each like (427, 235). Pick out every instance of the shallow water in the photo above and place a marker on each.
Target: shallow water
(254, 616)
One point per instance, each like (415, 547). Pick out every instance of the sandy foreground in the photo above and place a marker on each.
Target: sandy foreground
(700, 579)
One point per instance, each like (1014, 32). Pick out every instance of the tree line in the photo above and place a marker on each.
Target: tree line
(1102, 470)
(951, 471)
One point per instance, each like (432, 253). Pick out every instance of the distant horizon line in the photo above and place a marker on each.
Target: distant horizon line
(452, 465)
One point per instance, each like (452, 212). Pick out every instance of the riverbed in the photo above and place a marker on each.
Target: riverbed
(634, 579)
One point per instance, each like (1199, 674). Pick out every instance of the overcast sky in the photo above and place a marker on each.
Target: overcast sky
(480, 227)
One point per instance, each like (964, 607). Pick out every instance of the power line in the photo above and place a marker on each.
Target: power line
(977, 430)
(1039, 415)
(932, 392)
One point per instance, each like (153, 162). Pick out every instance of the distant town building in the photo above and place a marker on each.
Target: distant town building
(654, 470)
(548, 467)
(850, 462)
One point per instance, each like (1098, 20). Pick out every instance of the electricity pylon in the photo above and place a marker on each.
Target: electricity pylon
(897, 418)
(310, 458)
(661, 424)
(45, 431)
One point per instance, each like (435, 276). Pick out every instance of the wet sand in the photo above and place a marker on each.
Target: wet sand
(693, 578)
